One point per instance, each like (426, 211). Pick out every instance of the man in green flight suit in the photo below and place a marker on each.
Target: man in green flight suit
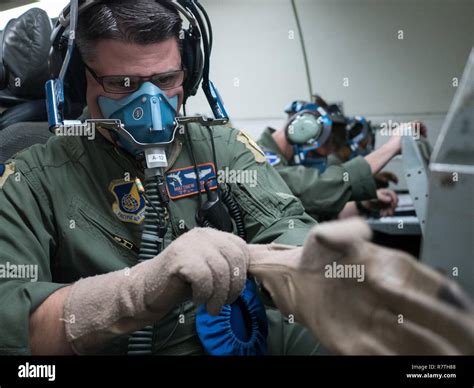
(72, 210)
(326, 195)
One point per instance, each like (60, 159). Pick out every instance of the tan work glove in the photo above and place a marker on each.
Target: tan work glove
(395, 306)
(204, 262)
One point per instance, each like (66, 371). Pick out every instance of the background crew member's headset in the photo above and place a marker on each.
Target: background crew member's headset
(240, 328)
(360, 136)
(308, 128)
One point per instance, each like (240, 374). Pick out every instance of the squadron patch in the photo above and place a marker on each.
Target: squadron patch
(182, 182)
(129, 205)
(252, 146)
(272, 158)
(5, 171)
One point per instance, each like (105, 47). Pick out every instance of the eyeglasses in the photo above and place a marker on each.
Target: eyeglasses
(125, 84)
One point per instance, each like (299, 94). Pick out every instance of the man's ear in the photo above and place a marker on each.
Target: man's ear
(341, 235)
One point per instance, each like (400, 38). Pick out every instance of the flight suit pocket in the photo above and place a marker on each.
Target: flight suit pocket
(101, 234)
(264, 205)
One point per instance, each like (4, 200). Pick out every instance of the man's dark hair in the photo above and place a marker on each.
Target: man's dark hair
(132, 21)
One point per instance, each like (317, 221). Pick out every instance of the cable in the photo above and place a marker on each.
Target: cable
(232, 206)
(235, 212)
(205, 42)
(165, 341)
(189, 146)
(303, 47)
(150, 203)
(73, 16)
(208, 22)
(193, 157)
(211, 134)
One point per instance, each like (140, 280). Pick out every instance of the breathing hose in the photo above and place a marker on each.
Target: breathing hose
(155, 226)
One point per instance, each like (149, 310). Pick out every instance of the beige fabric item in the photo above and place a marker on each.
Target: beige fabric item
(360, 298)
(205, 263)
(385, 303)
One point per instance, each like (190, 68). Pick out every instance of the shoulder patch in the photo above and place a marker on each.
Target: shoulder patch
(5, 171)
(272, 158)
(252, 146)
(129, 204)
(182, 182)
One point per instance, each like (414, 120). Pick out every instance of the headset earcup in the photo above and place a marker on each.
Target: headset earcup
(193, 63)
(188, 64)
(303, 127)
(198, 65)
(75, 79)
(75, 84)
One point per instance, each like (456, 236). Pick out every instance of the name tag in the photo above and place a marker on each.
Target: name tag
(183, 182)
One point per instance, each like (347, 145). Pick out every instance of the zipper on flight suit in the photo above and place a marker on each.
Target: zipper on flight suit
(125, 243)
(118, 239)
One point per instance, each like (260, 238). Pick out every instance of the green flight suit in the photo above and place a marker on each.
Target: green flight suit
(334, 160)
(61, 209)
(323, 195)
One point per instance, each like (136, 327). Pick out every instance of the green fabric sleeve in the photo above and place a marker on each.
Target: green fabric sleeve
(27, 240)
(271, 212)
(324, 195)
(361, 178)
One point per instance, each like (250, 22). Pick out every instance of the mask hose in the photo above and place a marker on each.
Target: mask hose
(234, 211)
(155, 227)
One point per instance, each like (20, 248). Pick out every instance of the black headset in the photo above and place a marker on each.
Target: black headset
(196, 48)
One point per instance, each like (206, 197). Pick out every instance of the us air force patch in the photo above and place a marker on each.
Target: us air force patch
(5, 171)
(129, 205)
(182, 182)
(272, 158)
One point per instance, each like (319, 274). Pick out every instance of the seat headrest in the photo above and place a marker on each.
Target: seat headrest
(19, 136)
(25, 50)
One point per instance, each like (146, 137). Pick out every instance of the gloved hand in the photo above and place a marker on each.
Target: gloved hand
(208, 264)
(391, 305)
